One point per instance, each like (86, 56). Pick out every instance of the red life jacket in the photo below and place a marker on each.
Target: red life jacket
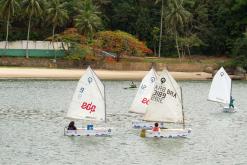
(156, 129)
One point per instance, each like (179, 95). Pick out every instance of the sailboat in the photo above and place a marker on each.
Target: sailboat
(166, 105)
(88, 104)
(142, 99)
(221, 90)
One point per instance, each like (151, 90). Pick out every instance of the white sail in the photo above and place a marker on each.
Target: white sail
(144, 93)
(220, 90)
(166, 103)
(88, 101)
(98, 82)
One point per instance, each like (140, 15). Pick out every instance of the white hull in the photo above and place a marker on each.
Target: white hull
(145, 125)
(166, 133)
(229, 110)
(85, 132)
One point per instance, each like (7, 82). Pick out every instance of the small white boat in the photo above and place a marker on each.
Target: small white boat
(142, 99)
(229, 109)
(166, 106)
(85, 132)
(221, 90)
(88, 104)
(166, 133)
(146, 125)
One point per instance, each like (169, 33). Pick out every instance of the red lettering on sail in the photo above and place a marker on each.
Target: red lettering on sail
(88, 106)
(145, 101)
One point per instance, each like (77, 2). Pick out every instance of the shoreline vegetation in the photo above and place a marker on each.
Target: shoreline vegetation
(125, 36)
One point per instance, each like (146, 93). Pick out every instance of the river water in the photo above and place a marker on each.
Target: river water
(32, 121)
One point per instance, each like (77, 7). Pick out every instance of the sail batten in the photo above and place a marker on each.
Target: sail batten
(220, 90)
(166, 103)
(144, 93)
(88, 102)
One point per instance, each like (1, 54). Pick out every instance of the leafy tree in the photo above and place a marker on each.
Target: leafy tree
(88, 21)
(56, 14)
(240, 52)
(155, 36)
(176, 19)
(7, 9)
(32, 8)
(161, 22)
(186, 43)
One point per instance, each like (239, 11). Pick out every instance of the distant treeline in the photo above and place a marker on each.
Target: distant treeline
(171, 26)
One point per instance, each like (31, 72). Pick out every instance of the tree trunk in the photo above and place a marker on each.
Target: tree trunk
(53, 38)
(7, 34)
(176, 38)
(155, 53)
(161, 26)
(188, 48)
(28, 33)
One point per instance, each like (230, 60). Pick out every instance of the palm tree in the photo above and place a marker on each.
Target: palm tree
(161, 22)
(88, 21)
(56, 15)
(177, 18)
(32, 8)
(7, 10)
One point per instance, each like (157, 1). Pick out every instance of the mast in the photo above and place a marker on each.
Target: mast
(104, 103)
(231, 90)
(182, 106)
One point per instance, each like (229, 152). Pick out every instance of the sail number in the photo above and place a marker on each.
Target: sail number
(160, 93)
(88, 106)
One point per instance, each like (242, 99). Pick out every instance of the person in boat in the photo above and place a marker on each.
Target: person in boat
(231, 102)
(156, 127)
(132, 85)
(72, 126)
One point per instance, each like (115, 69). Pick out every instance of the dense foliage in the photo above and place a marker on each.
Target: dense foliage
(212, 27)
(121, 43)
(118, 42)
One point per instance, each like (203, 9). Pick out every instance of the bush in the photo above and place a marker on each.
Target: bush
(240, 52)
(121, 43)
(78, 52)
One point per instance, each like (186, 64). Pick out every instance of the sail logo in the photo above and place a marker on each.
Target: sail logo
(88, 106)
(163, 80)
(143, 86)
(90, 80)
(145, 101)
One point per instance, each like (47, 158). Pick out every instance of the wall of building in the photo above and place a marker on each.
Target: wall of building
(35, 49)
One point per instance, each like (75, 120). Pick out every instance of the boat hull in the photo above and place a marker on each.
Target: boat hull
(166, 133)
(145, 125)
(229, 110)
(85, 132)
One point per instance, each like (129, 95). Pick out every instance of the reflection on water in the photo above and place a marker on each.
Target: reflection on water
(32, 120)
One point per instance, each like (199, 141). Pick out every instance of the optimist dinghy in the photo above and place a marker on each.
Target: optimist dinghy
(142, 99)
(221, 90)
(166, 106)
(88, 104)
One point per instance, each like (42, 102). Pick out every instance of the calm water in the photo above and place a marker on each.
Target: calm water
(32, 121)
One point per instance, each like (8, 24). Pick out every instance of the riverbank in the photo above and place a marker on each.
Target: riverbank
(75, 74)
(195, 64)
